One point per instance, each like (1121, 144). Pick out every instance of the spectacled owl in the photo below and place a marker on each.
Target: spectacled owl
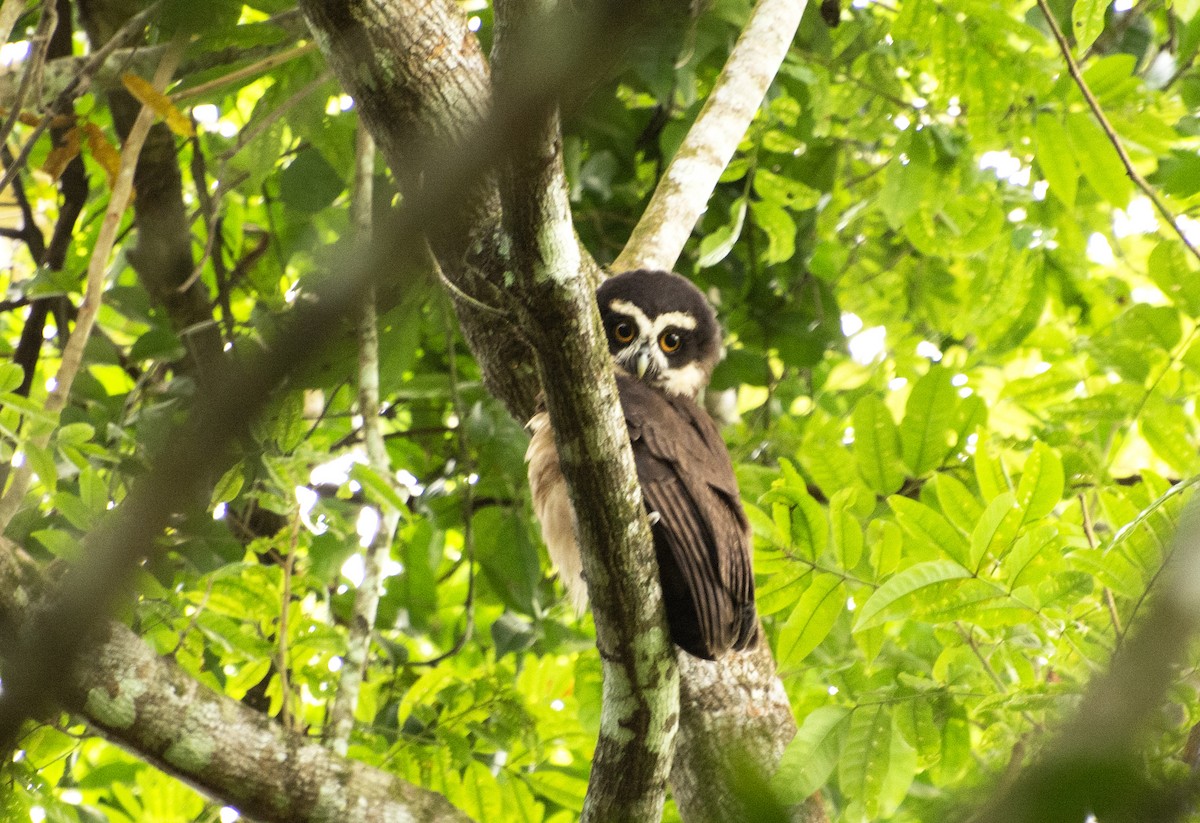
(665, 341)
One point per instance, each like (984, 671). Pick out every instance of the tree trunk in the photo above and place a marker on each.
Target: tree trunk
(410, 94)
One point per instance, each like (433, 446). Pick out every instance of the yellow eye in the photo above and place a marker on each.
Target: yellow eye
(669, 342)
(623, 331)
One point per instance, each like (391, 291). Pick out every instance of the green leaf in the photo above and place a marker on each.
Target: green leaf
(806, 522)
(1097, 158)
(927, 431)
(812, 619)
(865, 760)
(59, 543)
(811, 756)
(1041, 486)
(93, 491)
(915, 721)
(557, 786)
(877, 446)
(1042, 539)
(228, 487)
(784, 191)
(1087, 21)
(783, 588)
(996, 529)
(1055, 159)
(1111, 570)
(887, 544)
(11, 376)
(929, 527)
(906, 180)
(1174, 272)
(780, 229)
(956, 501)
(989, 470)
(41, 461)
(75, 434)
(830, 465)
(847, 531)
(904, 584)
(379, 489)
(901, 769)
(715, 247)
(309, 183)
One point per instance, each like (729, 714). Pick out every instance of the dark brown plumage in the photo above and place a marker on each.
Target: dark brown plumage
(665, 339)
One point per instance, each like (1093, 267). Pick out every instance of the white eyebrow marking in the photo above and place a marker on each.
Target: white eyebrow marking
(625, 307)
(678, 319)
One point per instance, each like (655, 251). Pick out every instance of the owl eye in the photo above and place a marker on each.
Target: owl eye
(623, 331)
(669, 341)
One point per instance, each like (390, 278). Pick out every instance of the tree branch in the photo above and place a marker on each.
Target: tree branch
(366, 600)
(72, 358)
(150, 705)
(683, 191)
(640, 705)
(1105, 734)
(1111, 133)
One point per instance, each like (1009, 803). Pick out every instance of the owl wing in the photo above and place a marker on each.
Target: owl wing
(701, 536)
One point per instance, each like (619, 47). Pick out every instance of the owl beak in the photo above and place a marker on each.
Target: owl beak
(642, 362)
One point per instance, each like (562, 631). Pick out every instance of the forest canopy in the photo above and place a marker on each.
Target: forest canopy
(956, 259)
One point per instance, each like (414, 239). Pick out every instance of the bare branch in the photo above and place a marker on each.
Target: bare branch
(33, 66)
(72, 358)
(684, 190)
(366, 600)
(79, 83)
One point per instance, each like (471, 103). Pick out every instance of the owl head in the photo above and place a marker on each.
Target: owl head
(660, 329)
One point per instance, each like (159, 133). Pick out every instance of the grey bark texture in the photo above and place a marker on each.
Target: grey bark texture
(406, 99)
(148, 704)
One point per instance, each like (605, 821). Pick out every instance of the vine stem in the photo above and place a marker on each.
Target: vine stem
(1111, 133)
(72, 358)
(366, 601)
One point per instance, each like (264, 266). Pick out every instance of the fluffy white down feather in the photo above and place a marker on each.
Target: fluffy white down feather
(553, 508)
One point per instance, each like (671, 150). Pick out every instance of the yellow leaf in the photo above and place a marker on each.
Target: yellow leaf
(61, 155)
(104, 152)
(161, 104)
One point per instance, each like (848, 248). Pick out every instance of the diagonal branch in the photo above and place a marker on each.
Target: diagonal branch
(151, 706)
(1111, 133)
(683, 191)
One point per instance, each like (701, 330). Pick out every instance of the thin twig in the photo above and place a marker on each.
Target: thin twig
(284, 606)
(264, 65)
(366, 600)
(79, 85)
(1089, 531)
(33, 67)
(72, 358)
(466, 467)
(243, 140)
(1111, 133)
